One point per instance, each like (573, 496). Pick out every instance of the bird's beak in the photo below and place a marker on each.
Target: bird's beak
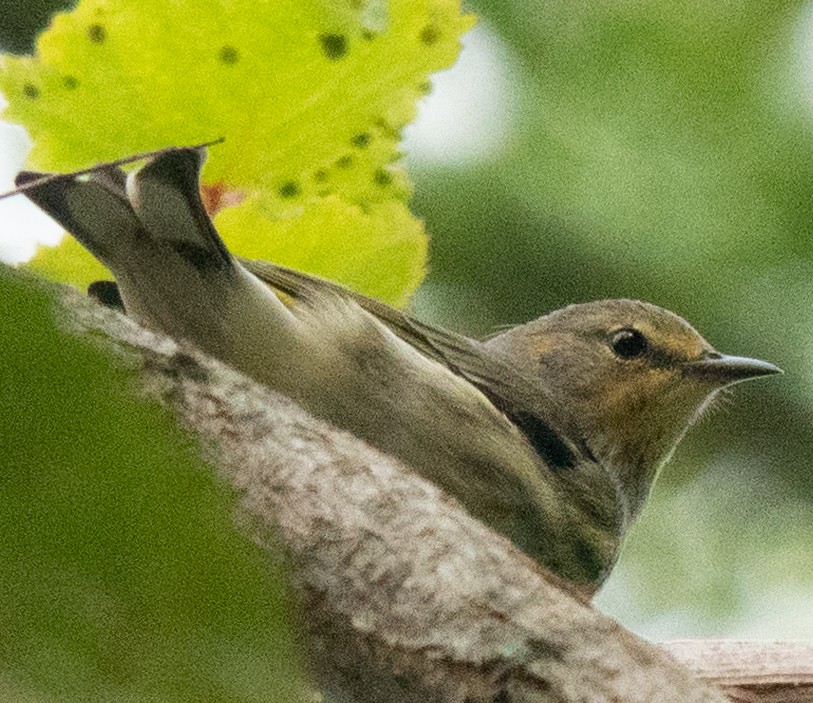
(722, 370)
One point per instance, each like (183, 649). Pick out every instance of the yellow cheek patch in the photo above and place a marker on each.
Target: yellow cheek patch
(634, 396)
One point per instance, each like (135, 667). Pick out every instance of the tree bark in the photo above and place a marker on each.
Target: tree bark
(751, 672)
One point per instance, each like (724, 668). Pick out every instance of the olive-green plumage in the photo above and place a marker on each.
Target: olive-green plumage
(551, 432)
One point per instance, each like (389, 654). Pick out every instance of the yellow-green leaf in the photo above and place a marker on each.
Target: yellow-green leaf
(311, 95)
(378, 251)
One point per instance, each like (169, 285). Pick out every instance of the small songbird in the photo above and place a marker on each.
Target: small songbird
(551, 432)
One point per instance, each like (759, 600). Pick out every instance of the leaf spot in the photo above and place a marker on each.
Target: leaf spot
(334, 46)
(382, 177)
(345, 161)
(97, 33)
(386, 128)
(430, 34)
(229, 55)
(290, 189)
(31, 91)
(320, 176)
(361, 140)
(70, 82)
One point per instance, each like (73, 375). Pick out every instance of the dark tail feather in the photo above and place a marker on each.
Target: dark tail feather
(165, 194)
(93, 208)
(109, 211)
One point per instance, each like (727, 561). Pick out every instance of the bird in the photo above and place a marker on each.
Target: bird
(552, 432)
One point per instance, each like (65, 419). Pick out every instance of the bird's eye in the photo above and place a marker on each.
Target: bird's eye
(629, 343)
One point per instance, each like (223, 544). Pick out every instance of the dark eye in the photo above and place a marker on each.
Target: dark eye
(629, 343)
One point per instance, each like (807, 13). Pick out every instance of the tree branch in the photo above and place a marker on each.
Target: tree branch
(751, 672)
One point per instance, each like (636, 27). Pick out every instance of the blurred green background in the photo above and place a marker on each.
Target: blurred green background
(122, 577)
(660, 150)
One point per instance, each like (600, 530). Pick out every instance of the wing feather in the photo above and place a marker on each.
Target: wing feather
(523, 402)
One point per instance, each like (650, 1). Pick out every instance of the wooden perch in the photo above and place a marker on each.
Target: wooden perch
(751, 672)
(406, 597)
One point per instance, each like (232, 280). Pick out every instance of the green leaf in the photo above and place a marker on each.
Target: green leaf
(341, 242)
(311, 95)
(122, 576)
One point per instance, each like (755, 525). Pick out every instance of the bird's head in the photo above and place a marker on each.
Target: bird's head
(629, 377)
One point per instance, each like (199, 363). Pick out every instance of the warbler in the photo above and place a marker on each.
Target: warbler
(551, 432)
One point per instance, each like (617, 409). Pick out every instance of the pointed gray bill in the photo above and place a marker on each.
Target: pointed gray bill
(723, 370)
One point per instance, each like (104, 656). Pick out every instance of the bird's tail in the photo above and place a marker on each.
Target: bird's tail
(173, 271)
(111, 213)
